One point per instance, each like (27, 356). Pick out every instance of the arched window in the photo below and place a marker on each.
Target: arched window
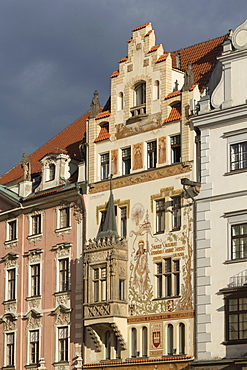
(50, 173)
(181, 338)
(156, 92)
(120, 101)
(144, 341)
(133, 342)
(108, 345)
(170, 339)
(140, 94)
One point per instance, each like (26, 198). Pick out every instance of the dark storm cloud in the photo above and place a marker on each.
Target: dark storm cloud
(55, 53)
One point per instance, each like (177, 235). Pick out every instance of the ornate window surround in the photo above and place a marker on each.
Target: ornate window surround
(35, 237)
(10, 263)
(10, 243)
(63, 230)
(167, 194)
(63, 250)
(34, 257)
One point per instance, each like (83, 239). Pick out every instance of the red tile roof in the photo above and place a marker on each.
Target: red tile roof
(149, 32)
(68, 140)
(162, 57)
(103, 115)
(42, 193)
(114, 74)
(123, 59)
(103, 135)
(175, 114)
(154, 48)
(203, 58)
(130, 39)
(171, 95)
(138, 28)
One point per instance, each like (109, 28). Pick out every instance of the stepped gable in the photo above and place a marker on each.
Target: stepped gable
(203, 58)
(67, 140)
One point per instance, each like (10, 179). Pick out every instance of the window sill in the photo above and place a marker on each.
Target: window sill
(235, 172)
(159, 232)
(64, 230)
(165, 298)
(11, 243)
(234, 342)
(58, 363)
(176, 229)
(34, 238)
(9, 367)
(61, 292)
(237, 260)
(32, 297)
(9, 301)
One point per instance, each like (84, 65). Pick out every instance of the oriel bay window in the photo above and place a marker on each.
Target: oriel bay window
(99, 284)
(236, 318)
(239, 241)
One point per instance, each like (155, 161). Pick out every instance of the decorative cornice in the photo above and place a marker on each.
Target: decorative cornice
(139, 178)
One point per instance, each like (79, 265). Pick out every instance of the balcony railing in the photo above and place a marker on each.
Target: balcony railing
(238, 280)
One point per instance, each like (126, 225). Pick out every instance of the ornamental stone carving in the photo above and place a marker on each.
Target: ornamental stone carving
(10, 307)
(78, 212)
(63, 318)
(239, 37)
(9, 324)
(33, 323)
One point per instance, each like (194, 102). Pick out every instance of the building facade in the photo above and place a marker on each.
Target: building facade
(221, 217)
(42, 230)
(98, 257)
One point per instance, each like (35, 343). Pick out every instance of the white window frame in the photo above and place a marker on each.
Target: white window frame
(102, 283)
(101, 177)
(58, 280)
(7, 298)
(234, 218)
(31, 224)
(6, 347)
(57, 359)
(8, 240)
(31, 265)
(29, 346)
(59, 210)
(234, 137)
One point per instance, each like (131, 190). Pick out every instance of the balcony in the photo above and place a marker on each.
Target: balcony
(238, 280)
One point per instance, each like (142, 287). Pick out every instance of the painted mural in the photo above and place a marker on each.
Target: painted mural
(162, 149)
(146, 249)
(137, 156)
(114, 162)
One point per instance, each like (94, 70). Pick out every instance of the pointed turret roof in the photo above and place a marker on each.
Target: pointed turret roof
(110, 226)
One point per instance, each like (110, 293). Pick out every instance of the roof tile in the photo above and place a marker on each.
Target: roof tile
(140, 27)
(174, 93)
(203, 58)
(123, 59)
(103, 115)
(103, 135)
(154, 48)
(68, 140)
(114, 74)
(175, 114)
(162, 58)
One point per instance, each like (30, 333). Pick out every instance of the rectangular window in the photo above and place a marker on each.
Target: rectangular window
(239, 241)
(123, 222)
(36, 224)
(64, 214)
(63, 344)
(104, 164)
(176, 213)
(126, 160)
(102, 221)
(11, 276)
(99, 284)
(152, 154)
(238, 156)
(12, 230)
(160, 215)
(236, 319)
(175, 149)
(10, 349)
(34, 346)
(35, 280)
(167, 278)
(64, 274)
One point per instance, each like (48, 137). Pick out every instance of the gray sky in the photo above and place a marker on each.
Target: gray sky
(55, 53)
